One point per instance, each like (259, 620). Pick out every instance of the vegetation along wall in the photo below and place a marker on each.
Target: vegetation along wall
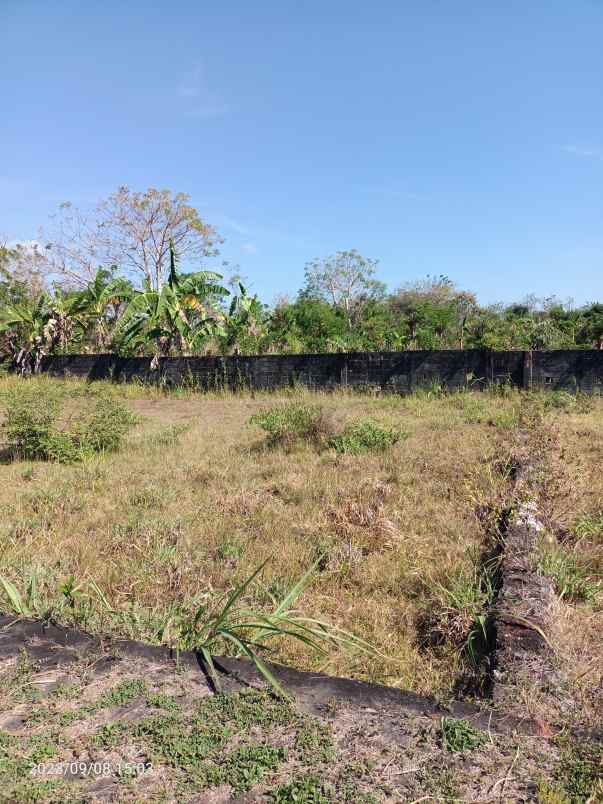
(400, 372)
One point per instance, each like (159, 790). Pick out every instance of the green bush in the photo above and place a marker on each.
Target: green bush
(29, 425)
(105, 428)
(291, 422)
(578, 402)
(32, 433)
(295, 421)
(365, 435)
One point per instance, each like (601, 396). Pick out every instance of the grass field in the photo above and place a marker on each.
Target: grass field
(134, 542)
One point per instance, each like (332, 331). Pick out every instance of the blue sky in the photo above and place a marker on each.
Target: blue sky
(463, 138)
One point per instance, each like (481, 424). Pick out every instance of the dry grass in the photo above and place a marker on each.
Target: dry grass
(574, 496)
(196, 501)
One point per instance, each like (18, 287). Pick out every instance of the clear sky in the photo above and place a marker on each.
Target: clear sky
(463, 138)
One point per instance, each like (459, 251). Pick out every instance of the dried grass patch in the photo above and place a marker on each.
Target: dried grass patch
(177, 518)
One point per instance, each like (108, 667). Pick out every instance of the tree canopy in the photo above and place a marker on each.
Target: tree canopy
(111, 281)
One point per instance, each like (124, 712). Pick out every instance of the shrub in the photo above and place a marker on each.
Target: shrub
(578, 402)
(29, 425)
(365, 435)
(105, 428)
(32, 432)
(292, 422)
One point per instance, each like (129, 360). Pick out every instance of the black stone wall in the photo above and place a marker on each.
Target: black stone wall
(400, 372)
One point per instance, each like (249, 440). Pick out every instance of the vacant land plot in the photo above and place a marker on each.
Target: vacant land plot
(198, 498)
(133, 512)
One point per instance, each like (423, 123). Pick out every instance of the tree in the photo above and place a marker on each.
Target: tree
(105, 292)
(38, 327)
(20, 273)
(183, 315)
(345, 280)
(436, 311)
(244, 325)
(592, 329)
(307, 325)
(129, 229)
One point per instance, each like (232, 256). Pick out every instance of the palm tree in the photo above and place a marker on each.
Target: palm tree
(183, 315)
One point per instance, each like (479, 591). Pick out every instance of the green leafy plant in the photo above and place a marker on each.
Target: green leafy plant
(589, 527)
(181, 315)
(579, 772)
(290, 422)
(457, 612)
(249, 632)
(25, 606)
(572, 581)
(460, 735)
(365, 435)
(32, 433)
(41, 599)
(303, 790)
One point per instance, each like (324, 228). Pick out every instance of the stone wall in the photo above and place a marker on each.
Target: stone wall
(400, 372)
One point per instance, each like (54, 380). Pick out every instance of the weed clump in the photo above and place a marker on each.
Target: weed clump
(303, 790)
(365, 435)
(457, 613)
(291, 422)
(579, 773)
(33, 432)
(460, 735)
(570, 579)
(578, 402)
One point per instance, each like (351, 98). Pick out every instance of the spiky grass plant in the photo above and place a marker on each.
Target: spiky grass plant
(249, 631)
(211, 628)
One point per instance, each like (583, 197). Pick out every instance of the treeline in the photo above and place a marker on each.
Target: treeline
(54, 298)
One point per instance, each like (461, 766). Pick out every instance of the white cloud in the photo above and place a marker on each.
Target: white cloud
(250, 248)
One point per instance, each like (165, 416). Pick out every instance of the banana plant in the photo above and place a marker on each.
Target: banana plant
(39, 327)
(244, 318)
(182, 316)
(104, 292)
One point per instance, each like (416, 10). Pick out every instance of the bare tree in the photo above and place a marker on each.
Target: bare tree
(131, 230)
(22, 265)
(426, 298)
(345, 279)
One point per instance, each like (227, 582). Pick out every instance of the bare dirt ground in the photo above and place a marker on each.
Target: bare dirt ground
(84, 720)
